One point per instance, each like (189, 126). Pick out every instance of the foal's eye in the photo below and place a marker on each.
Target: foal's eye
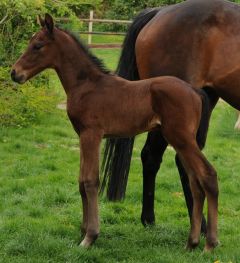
(37, 46)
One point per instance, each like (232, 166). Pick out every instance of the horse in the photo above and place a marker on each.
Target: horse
(101, 104)
(237, 125)
(197, 41)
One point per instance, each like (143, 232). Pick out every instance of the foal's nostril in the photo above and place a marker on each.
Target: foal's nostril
(19, 78)
(13, 74)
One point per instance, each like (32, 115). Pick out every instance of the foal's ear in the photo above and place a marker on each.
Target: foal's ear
(40, 21)
(49, 23)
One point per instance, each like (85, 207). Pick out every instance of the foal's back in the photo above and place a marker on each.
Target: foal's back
(124, 108)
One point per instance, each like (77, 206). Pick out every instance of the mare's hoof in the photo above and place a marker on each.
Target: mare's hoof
(86, 243)
(88, 240)
(148, 220)
(237, 126)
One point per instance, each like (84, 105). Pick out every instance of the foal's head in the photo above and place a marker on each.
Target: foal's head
(41, 52)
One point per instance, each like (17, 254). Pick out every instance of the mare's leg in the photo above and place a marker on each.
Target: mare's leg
(151, 155)
(89, 183)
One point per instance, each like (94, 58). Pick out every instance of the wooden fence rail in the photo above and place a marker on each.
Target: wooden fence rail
(91, 20)
(102, 33)
(107, 21)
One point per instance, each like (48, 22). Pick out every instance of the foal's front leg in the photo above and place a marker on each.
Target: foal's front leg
(89, 183)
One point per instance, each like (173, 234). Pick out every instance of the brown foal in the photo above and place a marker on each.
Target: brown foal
(100, 104)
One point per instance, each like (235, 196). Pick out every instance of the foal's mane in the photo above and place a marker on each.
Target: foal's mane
(96, 61)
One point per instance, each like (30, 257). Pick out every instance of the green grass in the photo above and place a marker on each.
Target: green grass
(104, 39)
(109, 56)
(40, 207)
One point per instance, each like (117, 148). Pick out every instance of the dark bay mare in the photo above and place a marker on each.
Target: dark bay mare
(197, 41)
(100, 104)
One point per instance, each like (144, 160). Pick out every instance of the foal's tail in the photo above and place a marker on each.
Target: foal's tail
(206, 95)
(118, 152)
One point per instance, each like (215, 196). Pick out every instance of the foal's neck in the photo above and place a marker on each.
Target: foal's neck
(75, 67)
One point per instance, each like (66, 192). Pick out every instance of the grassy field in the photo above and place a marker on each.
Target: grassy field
(40, 207)
(103, 39)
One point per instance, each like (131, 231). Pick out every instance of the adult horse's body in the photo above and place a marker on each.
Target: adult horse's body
(197, 41)
(237, 125)
(100, 104)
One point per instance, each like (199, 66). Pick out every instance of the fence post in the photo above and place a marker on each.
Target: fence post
(90, 28)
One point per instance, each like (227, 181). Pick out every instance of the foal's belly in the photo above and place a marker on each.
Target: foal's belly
(130, 129)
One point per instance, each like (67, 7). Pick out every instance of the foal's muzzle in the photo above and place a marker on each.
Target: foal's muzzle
(17, 77)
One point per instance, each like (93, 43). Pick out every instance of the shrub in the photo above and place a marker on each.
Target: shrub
(21, 105)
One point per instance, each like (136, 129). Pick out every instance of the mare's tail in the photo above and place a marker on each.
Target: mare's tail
(118, 152)
(206, 94)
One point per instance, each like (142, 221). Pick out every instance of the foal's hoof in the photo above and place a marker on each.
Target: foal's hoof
(148, 220)
(211, 245)
(192, 244)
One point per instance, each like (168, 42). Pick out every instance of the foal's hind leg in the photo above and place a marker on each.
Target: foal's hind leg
(202, 177)
(188, 193)
(197, 212)
(151, 155)
(203, 181)
(84, 206)
(209, 100)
